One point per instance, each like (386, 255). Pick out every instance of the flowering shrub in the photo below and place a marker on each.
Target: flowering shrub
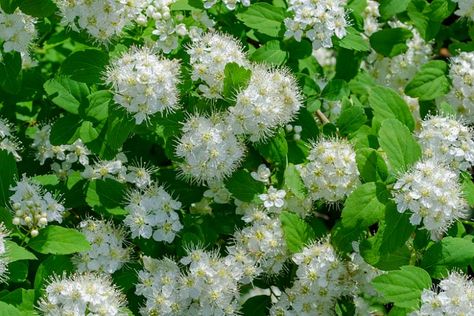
(236, 157)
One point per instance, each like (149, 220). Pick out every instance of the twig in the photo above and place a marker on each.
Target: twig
(322, 117)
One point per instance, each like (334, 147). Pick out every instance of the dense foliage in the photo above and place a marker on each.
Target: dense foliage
(236, 157)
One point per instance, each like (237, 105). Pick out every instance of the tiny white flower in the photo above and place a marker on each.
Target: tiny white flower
(262, 174)
(273, 198)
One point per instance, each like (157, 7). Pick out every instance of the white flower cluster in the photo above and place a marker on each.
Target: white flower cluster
(260, 246)
(209, 55)
(169, 27)
(453, 296)
(106, 169)
(33, 207)
(432, 193)
(359, 281)
(230, 4)
(207, 288)
(397, 71)
(461, 96)
(153, 213)
(217, 192)
(101, 19)
(144, 83)
(159, 284)
(331, 172)
(138, 174)
(371, 15)
(8, 141)
(68, 154)
(209, 148)
(332, 109)
(318, 20)
(17, 31)
(301, 206)
(165, 27)
(82, 294)
(326, 58)
(321, 280)
(447, 140)
(108, 252)
(3, 257)
(271, 99)
(465, 8)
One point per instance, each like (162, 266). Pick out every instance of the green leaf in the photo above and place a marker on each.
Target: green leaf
(274, 150)
(441, 9)
(447, 254)
(10, 72)
(351, 119)
(119, 128)
(389, 8)
(21, 299)
(38, 8)
(308, 85)
(98, 108)
(8, 310)
(354, 41)
(293, 181)
(399, 144)
(16, 253)
(59, 240)
(46, 179)
(296, 231)
(271, 52)
(87, 132)
(236, 79)
(106, 196)
(371, 165)
(65, 130)
(85, 66)
(335, 90)
(257, 306)
(18, 271)
(8, 175)
(388, 104)
(357, 6)
(397, 229)
(365, 206)
(428, 17)
(390, 42)
(403, 287)
(243, 186)
(467, 188)
(126, 277)
(9, 6)
(67, 94)
(186, 5)
(348, 64)
(430, 82)
(263, 17)
(299, 51)
(371, 250)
